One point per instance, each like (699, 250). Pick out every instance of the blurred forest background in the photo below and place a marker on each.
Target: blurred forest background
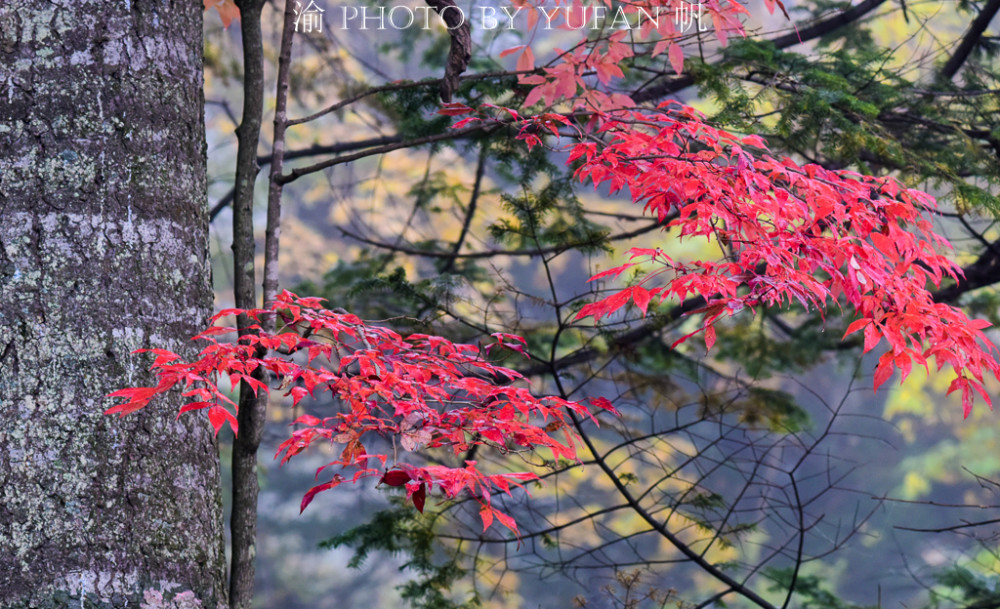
(771, 458)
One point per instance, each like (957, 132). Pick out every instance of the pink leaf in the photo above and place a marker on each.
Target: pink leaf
(676, 55)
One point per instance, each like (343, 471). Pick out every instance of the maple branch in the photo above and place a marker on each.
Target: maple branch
(314, 150)
(317, 150)
(908, 119)
(823, 27)
(401, 86)
(225, 109)
(970, 40)
(542, 532)
(540, 251)
(789, 500)
(955, 527)
(469, 213)
(660, 526)
(982, 273)
(645, 331)
(483, 128)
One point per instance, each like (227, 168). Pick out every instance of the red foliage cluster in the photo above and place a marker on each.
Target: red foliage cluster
(787, 234)
(416, 392)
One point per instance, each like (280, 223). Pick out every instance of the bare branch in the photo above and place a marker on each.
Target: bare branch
(970, 40)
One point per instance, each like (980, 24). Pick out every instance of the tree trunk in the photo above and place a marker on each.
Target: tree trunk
(103, 250)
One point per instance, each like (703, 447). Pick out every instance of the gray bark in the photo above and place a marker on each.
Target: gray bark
(103, 250)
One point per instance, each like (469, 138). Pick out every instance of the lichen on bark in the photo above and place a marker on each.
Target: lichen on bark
(103, 250)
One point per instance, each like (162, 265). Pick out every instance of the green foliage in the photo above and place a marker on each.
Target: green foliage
(549, 216)
(774, 410)
(985, 304)
(959, 584)
(364, 286)
(372, 288)
(414, 111)
(402, 531)
(808, 590)
(849, 108)
(753, 344)
(956, 586)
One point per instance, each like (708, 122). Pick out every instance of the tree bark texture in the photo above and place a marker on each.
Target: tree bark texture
(103, 250)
